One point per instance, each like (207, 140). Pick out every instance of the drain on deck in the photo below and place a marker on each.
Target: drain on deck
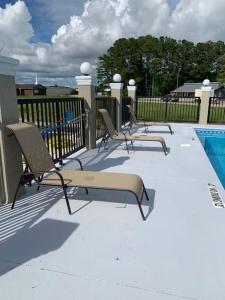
(215, 195)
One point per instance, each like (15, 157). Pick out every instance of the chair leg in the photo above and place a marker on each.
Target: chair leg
(170, 129)
(127, 147)
(17, 189)
(145, 192)
(164, 148)
(132, 144)
(140, 208)
(67, 200)
(103, 140)
(106, 142)
(142, 196)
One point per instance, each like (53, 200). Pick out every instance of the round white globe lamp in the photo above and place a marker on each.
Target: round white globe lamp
(131, 82)
(206, 82)
(117, 78)
(86, 68)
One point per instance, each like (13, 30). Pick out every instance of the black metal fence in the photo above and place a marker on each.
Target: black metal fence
(125, 111)
(180, 109)
(216, 112)
(109, 103)
(61, 121)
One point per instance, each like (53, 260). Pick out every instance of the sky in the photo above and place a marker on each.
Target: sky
(52, 38)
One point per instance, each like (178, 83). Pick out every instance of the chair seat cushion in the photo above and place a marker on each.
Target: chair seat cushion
(144, 138)
(98, 180)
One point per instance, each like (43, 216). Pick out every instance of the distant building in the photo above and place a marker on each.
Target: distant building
(188, 89)
(59, 90)
(30, 89)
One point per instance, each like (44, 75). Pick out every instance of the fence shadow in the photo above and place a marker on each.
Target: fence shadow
(107, 163)
(23, 238)
(97, 161)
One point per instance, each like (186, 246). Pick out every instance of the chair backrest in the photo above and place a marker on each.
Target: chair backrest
(108, 122)
(32, 146)
(132, 114)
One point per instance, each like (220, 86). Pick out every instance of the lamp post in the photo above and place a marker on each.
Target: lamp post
(178, 73)
(87, 91)
(116, 91)
(131, 88)
(206, 93)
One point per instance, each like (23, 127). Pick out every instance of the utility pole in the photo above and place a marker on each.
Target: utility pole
(178, 73)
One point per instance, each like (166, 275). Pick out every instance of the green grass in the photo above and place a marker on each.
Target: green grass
(217, 115)
(174, 111)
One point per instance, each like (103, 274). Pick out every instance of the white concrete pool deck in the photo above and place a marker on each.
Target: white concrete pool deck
(104, 250)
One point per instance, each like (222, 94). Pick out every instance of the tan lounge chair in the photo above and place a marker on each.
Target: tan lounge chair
(133, 120)
(110, 132)
(40, 164)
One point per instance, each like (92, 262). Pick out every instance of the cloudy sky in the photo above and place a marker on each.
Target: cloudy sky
(53, 37)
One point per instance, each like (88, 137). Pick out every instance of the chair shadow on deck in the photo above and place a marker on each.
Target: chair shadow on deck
(23, 237)
(120, 198)
(143, 148)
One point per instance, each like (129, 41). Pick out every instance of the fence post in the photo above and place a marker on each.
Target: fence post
(10, 154)
(204, 108)
(205, 92)
(87, 91)
(116, 91)
(166, 110)
(132, 88)
(59, 133)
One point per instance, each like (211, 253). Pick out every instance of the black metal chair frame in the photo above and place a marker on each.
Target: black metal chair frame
(132, 121)
(28, 177)
(106, 137)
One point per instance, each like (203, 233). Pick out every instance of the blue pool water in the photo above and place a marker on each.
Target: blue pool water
(213, 141)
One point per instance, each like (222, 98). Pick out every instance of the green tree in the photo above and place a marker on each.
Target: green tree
(221, 70)
(158, 65)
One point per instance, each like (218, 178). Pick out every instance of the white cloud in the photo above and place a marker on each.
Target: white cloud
(88, 35)
(15, 29)
(198, 20)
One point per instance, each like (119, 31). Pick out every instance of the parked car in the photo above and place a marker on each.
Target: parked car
(169, 98)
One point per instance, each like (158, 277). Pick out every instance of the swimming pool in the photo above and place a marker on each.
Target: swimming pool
(213, 141)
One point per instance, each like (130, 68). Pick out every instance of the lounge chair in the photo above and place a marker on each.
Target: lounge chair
(133, 120)
(110, 132)
(40, 164)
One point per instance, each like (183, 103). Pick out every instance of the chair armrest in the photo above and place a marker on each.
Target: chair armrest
(42, 175)
(79, 162)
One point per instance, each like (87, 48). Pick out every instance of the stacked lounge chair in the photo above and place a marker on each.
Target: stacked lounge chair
(110, 132)
(146, 124)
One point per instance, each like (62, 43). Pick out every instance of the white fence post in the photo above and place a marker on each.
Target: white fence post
(87, 91)
(116, 91)
(205, 93)
(132, 88)
(10, 154)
